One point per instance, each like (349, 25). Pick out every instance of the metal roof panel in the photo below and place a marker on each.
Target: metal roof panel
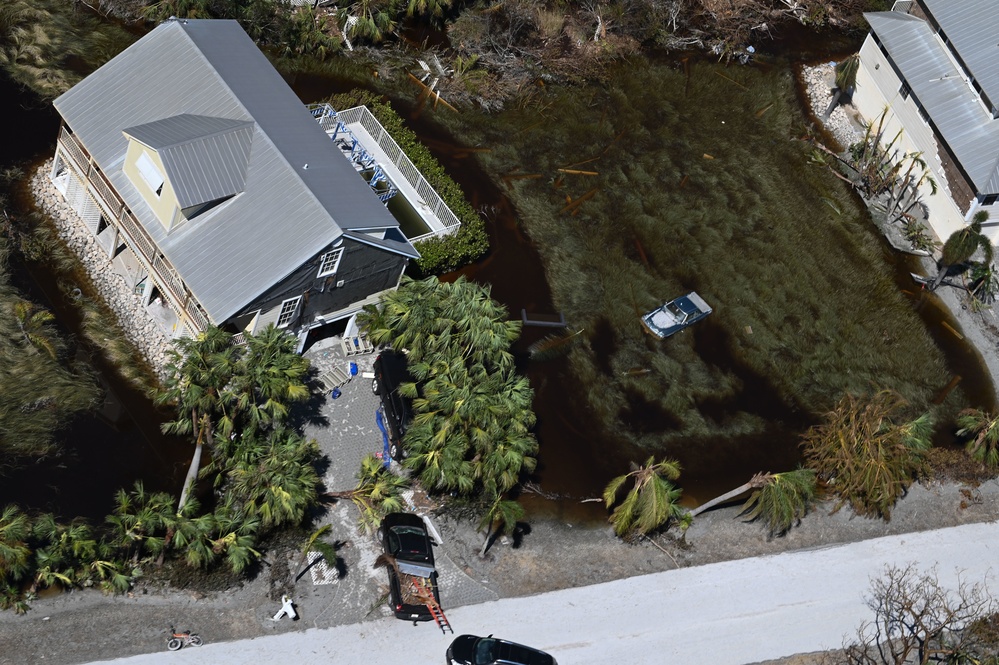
(972, 27)
(940, 87)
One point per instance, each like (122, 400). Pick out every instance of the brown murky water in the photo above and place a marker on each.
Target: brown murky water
(103, 452)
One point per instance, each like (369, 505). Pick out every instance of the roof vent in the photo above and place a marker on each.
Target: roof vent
(306, 167)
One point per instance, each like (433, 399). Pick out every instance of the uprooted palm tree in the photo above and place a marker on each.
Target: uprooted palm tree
(780, 500)
(962, 246)
(34, 324)
(378, 492)
(869, 450)
(983, 286)
(651, 503)
(984, 432)
(502, 513)
(315, 543)
(846, 79)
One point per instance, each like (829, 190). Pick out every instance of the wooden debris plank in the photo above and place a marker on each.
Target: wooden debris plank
(575, 204)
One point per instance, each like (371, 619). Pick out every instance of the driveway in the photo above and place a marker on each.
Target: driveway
(349, 433)
(728, 613)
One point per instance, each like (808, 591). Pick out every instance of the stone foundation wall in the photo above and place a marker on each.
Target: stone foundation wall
(138, 326)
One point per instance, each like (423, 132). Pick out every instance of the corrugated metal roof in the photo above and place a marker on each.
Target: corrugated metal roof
(972, 26)
(205, 158)
(940, 87)
(286, 214)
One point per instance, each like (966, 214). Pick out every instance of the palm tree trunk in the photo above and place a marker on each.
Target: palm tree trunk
(166, 545)
(832, 104)
(487, 542)
(939, 278)
(727, 496)
(192, 471)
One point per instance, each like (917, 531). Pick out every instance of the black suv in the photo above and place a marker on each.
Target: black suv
(472, 650)
(390, 372)
(404, 537)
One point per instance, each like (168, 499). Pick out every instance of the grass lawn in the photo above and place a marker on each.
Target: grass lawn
(698, 182)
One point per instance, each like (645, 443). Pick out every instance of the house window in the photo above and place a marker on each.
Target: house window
(905, 90)
(288, 310)
(329, 262)
(150, 173)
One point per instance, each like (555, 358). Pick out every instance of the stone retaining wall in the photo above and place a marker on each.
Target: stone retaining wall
(139, 327)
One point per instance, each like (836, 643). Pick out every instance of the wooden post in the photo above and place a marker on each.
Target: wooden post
(947, 389)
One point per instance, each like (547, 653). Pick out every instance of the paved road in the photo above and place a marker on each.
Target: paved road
(728, 613)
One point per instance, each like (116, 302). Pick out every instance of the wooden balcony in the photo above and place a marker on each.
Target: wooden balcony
(134, 235)
(75, 151)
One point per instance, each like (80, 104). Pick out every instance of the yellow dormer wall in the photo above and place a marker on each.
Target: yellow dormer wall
(164, 205)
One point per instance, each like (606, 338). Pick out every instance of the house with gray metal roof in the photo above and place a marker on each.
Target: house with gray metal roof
(934, 65)
(215, 191)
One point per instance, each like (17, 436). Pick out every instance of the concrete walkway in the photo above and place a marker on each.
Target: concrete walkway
(729, 613)
(346, 434)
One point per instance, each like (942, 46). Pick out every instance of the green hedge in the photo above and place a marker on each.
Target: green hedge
(445, 253)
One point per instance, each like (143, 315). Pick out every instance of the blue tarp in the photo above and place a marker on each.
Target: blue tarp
(386, 458)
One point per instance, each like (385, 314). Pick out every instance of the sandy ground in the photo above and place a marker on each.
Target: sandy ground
(85, 626)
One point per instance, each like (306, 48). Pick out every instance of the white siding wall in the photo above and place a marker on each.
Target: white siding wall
(878, 87)
(991, 228)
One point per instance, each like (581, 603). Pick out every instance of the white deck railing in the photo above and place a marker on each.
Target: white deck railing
(328, 118)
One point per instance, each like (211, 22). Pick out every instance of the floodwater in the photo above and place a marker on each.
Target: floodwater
(576, 459)
(103, 452)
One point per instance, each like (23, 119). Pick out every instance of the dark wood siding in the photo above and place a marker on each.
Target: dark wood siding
(364, 270)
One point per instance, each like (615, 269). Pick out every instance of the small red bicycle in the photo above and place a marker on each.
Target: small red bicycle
(182, 639)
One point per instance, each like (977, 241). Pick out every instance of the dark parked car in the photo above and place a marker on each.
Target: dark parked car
(412, 579)
(390, 373)
(472, 650)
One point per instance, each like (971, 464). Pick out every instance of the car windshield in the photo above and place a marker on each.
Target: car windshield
(408, 539)
(675, 310)
(484, 649)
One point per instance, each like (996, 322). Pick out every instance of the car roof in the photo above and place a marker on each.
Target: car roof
(512, 652)
(403, 519)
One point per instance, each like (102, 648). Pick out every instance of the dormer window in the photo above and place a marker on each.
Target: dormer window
(329, 262)
(150, 174)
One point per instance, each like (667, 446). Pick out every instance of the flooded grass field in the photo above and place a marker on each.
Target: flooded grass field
(674, 178)
(605, 201)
